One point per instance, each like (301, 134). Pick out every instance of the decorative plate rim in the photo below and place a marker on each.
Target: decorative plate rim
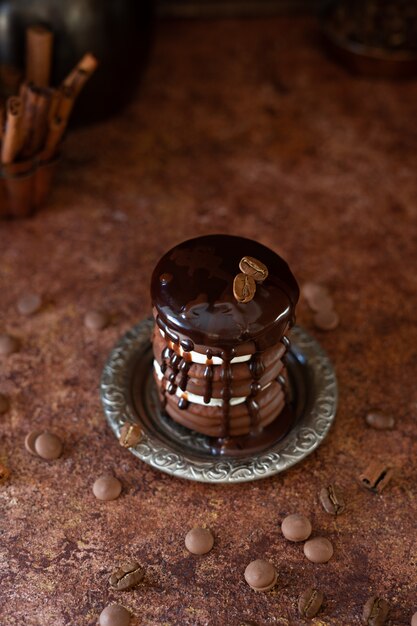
(308, 433)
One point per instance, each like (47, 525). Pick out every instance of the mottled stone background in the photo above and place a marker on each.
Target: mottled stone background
(241, 127)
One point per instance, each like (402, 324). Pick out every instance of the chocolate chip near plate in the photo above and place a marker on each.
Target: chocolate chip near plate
(326, 320)
(107, 487)
(309, 602)
(414, 620)
(4, 403)
(261, 575)
(30, 441)
(96, 320)
(380, 420)
(29, 303)
(130, 435)
(8, 345)
(296, 527)
(314, 290)
(199, 540)
(48, 446)
(114, 615)
(332, 500)
(244, 288)
(375, 611)
(128, 575)
(321, 303)
(318, 550)
(4, 473)
(252, 267)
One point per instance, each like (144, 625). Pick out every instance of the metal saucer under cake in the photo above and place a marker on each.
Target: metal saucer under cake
(129, 394)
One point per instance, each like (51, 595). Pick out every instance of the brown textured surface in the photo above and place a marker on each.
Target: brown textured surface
(242, 127)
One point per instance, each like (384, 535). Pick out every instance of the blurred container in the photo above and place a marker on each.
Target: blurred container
(118, 32)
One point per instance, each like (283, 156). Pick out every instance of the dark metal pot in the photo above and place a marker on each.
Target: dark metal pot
(118, 32)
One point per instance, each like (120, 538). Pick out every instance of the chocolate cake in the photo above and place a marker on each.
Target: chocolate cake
(223, 307)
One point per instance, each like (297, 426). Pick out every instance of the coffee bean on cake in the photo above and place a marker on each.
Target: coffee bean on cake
(219, 363)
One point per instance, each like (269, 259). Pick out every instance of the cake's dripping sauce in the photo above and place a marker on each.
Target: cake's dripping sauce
(226, 392)
(208, 377)
(256, 368)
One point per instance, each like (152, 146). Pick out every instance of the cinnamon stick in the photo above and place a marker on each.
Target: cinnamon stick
(39, 42)
(56, 130)
(28, 120)
(65, 102)
(77, 78)
(11, 139)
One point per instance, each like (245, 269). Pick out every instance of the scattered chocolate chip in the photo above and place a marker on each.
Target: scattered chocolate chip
(130, 435)
(376, 476)
(314, 290)
(321, 303)
(96, 320)
(114, 615)
(244, 288)
(375, 611)
(4, 473)
(332, 499)
(261, 575)
(8, 345)
(252, 267)
(380, 420)
(414, 620)
(107, 488)
(309, 602)
(296, 527)
(326, 320)
(4, 403)
(199, 540)
(29, 303)
(30, 441)
(126, 576)
(318, 550)
(48, 446)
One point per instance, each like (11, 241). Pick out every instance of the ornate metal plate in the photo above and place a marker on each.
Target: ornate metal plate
(128, 393)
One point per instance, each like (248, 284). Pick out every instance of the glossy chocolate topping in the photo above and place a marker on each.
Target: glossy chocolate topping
(192, 292)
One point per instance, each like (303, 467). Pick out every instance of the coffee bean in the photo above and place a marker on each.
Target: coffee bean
(4, 473)
(332, 499)
(48, 446)
(199, 540)
(96, 320)
(376, 476)
(318, 550)
(127, 576)
(261, 575)
(326, 319)
(8, 345)
(309, 603)
(414, 620)
(375, 611)
(252, 267)
(114, 615)
(380, 420)
(130, 435)
(107, 488)
(4, 403)
(244, 288)
(30, 441)
(296, 527)
(29, 303)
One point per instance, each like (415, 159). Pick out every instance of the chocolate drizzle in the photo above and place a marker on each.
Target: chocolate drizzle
(192, 293)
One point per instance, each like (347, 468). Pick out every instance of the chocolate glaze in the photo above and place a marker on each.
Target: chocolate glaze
(192, 293)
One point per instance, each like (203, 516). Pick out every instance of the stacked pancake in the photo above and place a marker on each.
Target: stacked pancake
(219, 356)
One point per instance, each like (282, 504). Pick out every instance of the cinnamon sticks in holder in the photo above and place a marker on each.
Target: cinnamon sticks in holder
(33, 124)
